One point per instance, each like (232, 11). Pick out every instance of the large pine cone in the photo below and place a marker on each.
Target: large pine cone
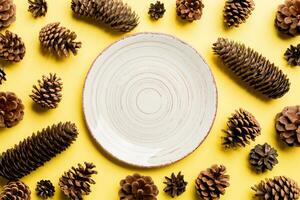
(288, 17)
(288, 125)
(292, 55)
(175, 185)
(137, 187)
(252, 68)
(59, 40)
(7, 13)
(279, 188)
(12, 47)
(15, 190)
(76, 182)
(189, 10)
(211, 183)
(113, 13)
(34, 151)
(11, 109)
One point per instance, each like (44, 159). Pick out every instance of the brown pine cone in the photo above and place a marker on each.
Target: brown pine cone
(211, 183)
(175, 185)
(38, 8)
(292, 55)
(157, 10)
(11, 109)
(48, 92)
(288, 17)
(45, 189)
(7, 13)
(189, 10)
(15, 190)
(59, 40)
(12, 48)
(114, 13)
(2, 75)
(138, 187)
(75, 183)
(277, 188)
(252, 68)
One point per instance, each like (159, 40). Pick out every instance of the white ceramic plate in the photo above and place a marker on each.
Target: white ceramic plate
(149, 99)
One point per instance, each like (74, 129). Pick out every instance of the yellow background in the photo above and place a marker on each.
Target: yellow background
(259, 33)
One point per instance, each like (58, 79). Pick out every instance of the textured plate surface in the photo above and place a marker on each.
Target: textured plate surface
(149, 100)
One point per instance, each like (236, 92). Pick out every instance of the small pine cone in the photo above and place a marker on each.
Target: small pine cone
(138, 187)
(2, 75)
(12, 47)
(114, 13)
(36, 150)
(252, 68)
(263, 157)
(45, 189)
(175, 185)
(279, 188)
(292, 55)
(211, 183)
(7, 13)
(48, 92)
(11, 109)
(59, 40)
(288, 125)
(38, 8)
(76, 182)
(237, 12)
(288, 17)
(189, 10)
(157, 10)
(15, 190)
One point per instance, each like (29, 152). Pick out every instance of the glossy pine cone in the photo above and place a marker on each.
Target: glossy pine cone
(38, 8)
(12, 47)
(277, 188)
(7, 13)
(175, 185)
(45, 189)
(15, 190)
(114, 13)
(211, 183)
(138, 187)
(189, 10)
(157, 10)
(36, 150)
(292, 55)
(11, 109)
(252, 68)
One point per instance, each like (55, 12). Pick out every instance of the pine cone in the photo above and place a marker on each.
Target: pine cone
(45, 189)
(263, 157)
(138, 187)
(38, 8)
(288, 125)
(175, 185)
(59, 40)
(157, 10)
(15, 190)
(237, 12)
(12, 48)
(189, 10)
(252, 68)
(34, 151)
(11, 109)
(2, 75)
(7, 13)
(76, 182)
(288, 17)
(48, 92)
(279, 188)
(292, 55)
(113, 13)
(211, 184)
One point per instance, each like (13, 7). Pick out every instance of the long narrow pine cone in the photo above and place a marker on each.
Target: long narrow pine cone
(277, 188)
(76, 182)
(2, 75)
(189, 10)
(36, 150)
(114, 13)
(15, 190)
(59, 40)
(252, 68)
(292, 55)
(7, 13)
(38, 8)
(175, 185)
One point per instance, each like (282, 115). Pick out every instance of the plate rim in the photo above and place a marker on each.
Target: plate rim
(84, 109)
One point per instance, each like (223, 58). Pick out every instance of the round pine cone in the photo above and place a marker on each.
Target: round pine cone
(15, 190)
(157, 10)
(175, 185)
(189, 10)
(11, 109)
(45, 189)
(7, 13)
(288, 17)
(280, 187)
(48, 92)
(292, 55)
(138, 187)
(263, 157)
(38, 8)
(211, 183)
(288, 125)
